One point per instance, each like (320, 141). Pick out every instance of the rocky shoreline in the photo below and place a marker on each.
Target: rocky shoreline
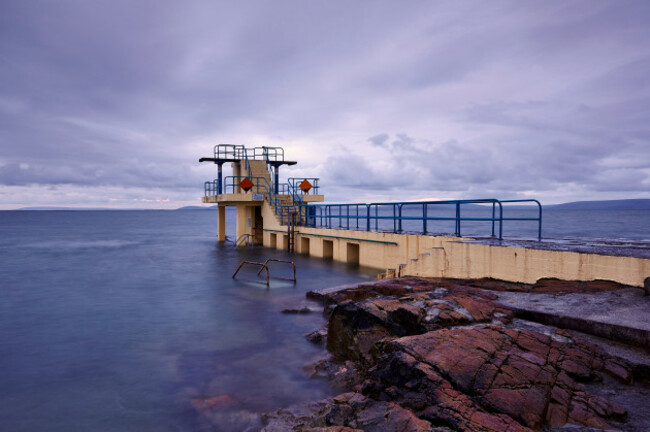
(445, 355)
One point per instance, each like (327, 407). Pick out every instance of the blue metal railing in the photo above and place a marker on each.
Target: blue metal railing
(363, 216)
(260, 185)
(240, 152)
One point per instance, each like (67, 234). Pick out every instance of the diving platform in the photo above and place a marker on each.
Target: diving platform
(452, 238)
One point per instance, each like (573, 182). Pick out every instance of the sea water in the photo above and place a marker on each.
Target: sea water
(127, 320)
(118, 320)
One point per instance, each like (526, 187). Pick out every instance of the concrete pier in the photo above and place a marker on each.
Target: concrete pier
(265, 209)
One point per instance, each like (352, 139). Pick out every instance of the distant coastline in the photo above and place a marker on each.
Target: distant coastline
(628, 204)
(624, 204)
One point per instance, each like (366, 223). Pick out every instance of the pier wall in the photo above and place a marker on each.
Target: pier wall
(439, 256)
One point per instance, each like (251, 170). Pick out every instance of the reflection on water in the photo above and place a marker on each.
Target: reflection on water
(130, 321)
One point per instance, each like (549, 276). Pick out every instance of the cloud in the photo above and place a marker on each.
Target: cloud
(379, 140)
(427, 99)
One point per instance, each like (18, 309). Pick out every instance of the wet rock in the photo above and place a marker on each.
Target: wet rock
(213, 402)
(304, 310)
(446, 351)
(343, 376)
(345, 412)
(318, 337)
(492, 379)
(474, 287)
(389, 287)
(355, 327)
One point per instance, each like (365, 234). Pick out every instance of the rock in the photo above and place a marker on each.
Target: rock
(345, 412)
(491, 379)
(354, 327)
(444, 351)
(342, 376)
(389, 287)
(646, 286)
(305, 310)
(318, 337)
(214, 402)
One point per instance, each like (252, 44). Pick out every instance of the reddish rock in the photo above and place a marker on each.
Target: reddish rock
(407, 344)
(214, 402)
(503, 377)
(345, 412)
(354, 327)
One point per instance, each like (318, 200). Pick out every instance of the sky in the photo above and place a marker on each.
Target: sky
(111, 103)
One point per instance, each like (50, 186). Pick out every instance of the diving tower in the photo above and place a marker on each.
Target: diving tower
(254, 188)
(416, 238)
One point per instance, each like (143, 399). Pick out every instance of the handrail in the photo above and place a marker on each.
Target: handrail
(241, 152)
(261, 185)
(247, 237)
(282, 261)
(322, 214)
(253, 263)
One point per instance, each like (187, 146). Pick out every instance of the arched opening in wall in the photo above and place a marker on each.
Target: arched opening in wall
(274, 241)
(304, 245)
(353, 253)
(328, 249)
(285, 241)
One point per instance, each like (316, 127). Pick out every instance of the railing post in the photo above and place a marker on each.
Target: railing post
(367, 217)
(377, 218)
(219, 179)
(424, 219)
(493, 205)
(539, 225)
(500, 221)
(457, 218)
(399, 226)
(347, 211)
(277, 178)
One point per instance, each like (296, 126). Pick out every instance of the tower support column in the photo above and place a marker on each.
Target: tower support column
(244, 222)
(221, 223)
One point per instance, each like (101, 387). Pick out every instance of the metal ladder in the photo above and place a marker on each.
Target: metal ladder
(291, 232)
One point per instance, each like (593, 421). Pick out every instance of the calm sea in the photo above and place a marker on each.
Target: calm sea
(118, 320)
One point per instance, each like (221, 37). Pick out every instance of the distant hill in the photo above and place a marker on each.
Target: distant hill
(55, 208)
(214, 207)
(628, 204)
(63, 208)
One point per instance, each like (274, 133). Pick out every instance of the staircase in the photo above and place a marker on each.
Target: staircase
(436, 259)
(257, 168)
(285, 203)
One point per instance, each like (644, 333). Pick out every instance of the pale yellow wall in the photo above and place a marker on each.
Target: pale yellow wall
(244, 220)
(430, 256)
(448, 257)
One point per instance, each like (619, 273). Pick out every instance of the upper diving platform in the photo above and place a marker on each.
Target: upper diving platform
(256, 170)
(273, 156)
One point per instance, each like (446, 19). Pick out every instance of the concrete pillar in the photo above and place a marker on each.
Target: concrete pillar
(236, 172)
(244, 222)
(221, 223)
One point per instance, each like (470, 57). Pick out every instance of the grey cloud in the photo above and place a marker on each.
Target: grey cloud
(528, 96)
(379, 140)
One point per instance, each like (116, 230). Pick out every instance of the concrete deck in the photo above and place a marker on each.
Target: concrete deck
(611, 247)
(622, 315)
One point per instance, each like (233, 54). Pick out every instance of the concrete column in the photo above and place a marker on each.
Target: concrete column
(221, 224)
(244, 222)
(236, 172)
